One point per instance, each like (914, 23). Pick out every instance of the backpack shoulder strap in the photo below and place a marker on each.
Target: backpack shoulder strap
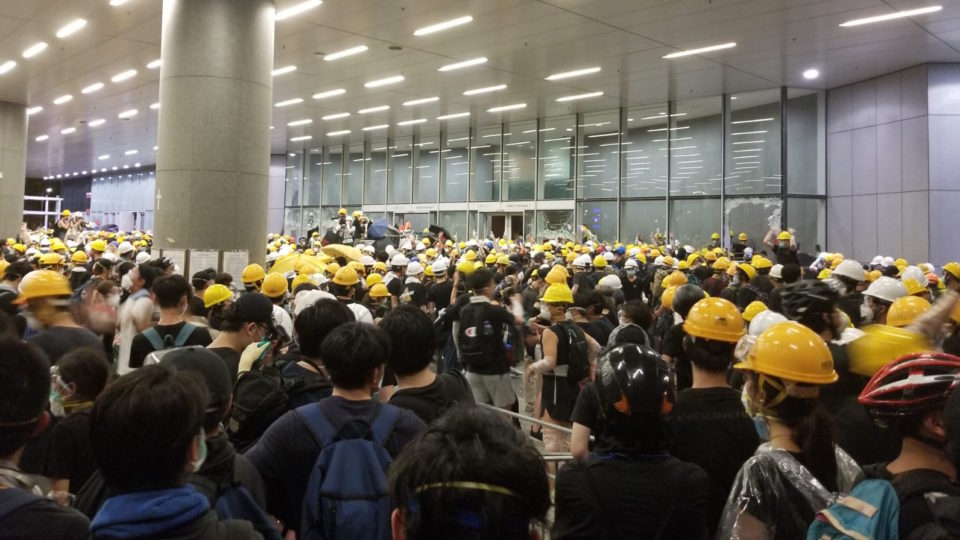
(384, 423)
(318, 424)
(153, 336)
(184, 334)
(13, 499)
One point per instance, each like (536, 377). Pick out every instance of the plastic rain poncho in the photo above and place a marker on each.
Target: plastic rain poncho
(775, 496)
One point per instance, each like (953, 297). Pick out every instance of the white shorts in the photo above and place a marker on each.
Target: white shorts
(495, 390)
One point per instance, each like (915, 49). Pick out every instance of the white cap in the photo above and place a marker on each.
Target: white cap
(609, 256)
(886, 288)
(390, 249)
(414, 269)
(367, 248)
(914, 273)
(399, 260)
(142, 257)
(367, 260)
(31, 252)
(877, 261)
(582, 260)
(887, 261)
(124, 248)
(305, 299)
(45, 242)
(108, 255)
(777, 271)
(631, 263)
(688, 248)
(440, 265)
(851, 269)
(612, 281)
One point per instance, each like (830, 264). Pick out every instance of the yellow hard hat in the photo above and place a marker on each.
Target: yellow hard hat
(710, 256)
(824, 274)
(79, 257)
(462, 245)
(914, 287)
(905, 309)
(466, 267)
(274, 285)
(722, 263)
(599, 262)
(357, 213)
(901, 262)
(57, 245)
(683, 265)
(428, 270)
(750, 271)
(871, 276)
(448, 243)
(953, 268)
(346, 277)
(51, 259)
(471, 255)
(491, 259)
(342, 211)
(300, 280)
(742, 237)
(431, 253)
(669, 261)
(503, 260)
(882, 344)
(65, 213)
(760, 262)
(558, 293)
(216, 294)
(373, 279)
(98, 245)
(674, 279)
(753, 309)
(379, 290)
(358, 266)
(667, 296)
(715, 236)
(692, 258)
(715, 318)
(585, 250)
(791, 351)
(654, 253)
(784, 235)
(43, 284)
(331, 270)
(254, 273)
(557, 274)
(380, 266)
(309, 251)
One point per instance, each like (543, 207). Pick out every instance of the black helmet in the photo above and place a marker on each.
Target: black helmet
(685, 297)
(807, 297)
(634, 380)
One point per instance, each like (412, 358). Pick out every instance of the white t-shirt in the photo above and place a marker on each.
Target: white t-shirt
(133, 310)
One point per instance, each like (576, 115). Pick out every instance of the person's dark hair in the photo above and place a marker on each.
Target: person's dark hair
(125, 267)
(149, 273)
(412, 339)
(200, 279)
(341, 290)
(305, 287)
(314, 323)
(8, 327)
(352, 351)
(196, 307)
(791, 273)
(106, 287)
(639, 313)
(708, 354)
(382, 256)
(87, 369)
(685, 297)
(589, 300)
(890, 271)
(143, 425)
(480, 279)
(78, 277)
(223, 278)
(455, 473)
(630, 334)
(169, 290)
(17, 270)
(24, 392)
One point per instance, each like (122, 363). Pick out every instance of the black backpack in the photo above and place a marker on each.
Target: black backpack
(260, 397)
(478, 337)
(578, 359)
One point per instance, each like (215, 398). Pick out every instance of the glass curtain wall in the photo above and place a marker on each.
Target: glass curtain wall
(485, 164)
(455, 166)
(426, 173)
(520, 161)
(556, 178)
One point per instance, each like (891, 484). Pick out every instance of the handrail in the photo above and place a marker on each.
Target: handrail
(519, 416)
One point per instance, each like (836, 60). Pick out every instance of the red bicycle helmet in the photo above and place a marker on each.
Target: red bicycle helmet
(911, 384)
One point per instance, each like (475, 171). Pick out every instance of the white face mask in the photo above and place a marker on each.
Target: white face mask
(126, 282)
(201, 453)
(866, 313)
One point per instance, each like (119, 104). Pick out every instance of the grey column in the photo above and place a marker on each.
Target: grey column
(13, 166)
(213, 160)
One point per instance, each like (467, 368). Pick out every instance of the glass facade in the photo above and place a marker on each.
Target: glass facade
(749, 163)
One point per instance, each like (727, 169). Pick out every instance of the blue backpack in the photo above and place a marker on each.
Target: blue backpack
(347, 495)
(13, 499)
(160, 343)
(871, 510)
(232, 501)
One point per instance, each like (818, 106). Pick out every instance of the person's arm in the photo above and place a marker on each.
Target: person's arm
(139, 349)
(768, 240)
(142, 314)
(580, 441)
(593, 351)
(549, 361)
(930, 321)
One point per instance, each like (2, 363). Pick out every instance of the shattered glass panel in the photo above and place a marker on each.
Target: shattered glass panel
(755, 216)
(553, 224)
(291, 222)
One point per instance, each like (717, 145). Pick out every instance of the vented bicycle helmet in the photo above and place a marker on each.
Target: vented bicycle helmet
(806, 297)
(911, 384)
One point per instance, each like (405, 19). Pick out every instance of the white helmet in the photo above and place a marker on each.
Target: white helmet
(914, 273)
(612, 281)
(633, 252)
(305, 299)
(582, 261)
(850, 269)
(440, 266)
(747, 253)
(764, 320)
(886, 288)
(420, 246)
(776, 271)
(658, 261)
(367, 248)
(631, 263)
(399, 260)
(886, 261)
(877, 261)
(272, 256)
(414, 269)
(608, 256)
(143, 257)
(367, 260)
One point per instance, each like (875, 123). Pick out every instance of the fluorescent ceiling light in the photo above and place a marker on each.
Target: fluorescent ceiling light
(574, 73)
(68, 130)
(614, 134)
(580, 96)
(71, 28)
(7, 66)
(464, 64)
(92, 88)
(748, 132)
(485, 90)
(304, 122)
(283, 70)
(329, 93)
(35, 49)
(502, 108)
(692, 52)
(103, 157)
(420, 101)
(154, 106)
(120, 77)
(42, 138)
(154, 65)
(97, 122)
(34, 110)
(128, 114)
(752, 121)
(297, 9)
(426, 30)
(380, 126)
(287, 102)
(811, 73)
(891, 16)
(383, 82)
(301, 138)
(748, 142)
(130, 152)
(454, 115)
(118, 2)
(374, 109)
(346, 52)
(336, 116)
(411, 122)
(62, 99)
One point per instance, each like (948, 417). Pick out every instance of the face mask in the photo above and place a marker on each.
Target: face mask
(736, 280)
(201, 452)
(569, 316)
(866, 313)
(126, 283)
(56, 404)
(631, 272)
(33, 322)
(623, 322)
(759, 422)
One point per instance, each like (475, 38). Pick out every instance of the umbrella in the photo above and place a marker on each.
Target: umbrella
(378, 229)
(339, 250)
(298, 262)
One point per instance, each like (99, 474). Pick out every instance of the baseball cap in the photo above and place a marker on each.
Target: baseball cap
(253, 307)
(209, 366)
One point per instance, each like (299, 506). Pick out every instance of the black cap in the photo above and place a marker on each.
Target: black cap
(253, 307)
(209, 366)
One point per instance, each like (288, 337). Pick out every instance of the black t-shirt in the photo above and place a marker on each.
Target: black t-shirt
(141, 346)
(632, 290)
(587, 410)
(439, 294)
(585, 281)
(414, 293)
(559, 394)
(785, 255)
(430, 402)
(57, 341)
(672, 346)
(231, 359)
(709, 427)
(71, 453)
(613, 496)
(395, 286)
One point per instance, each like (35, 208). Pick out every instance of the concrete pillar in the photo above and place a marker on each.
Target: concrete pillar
(213, 160)
(13, 167)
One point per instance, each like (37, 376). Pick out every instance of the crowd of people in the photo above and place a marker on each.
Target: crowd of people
(411, 389)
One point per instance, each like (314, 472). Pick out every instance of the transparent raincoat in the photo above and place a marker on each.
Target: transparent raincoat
(774, 496)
